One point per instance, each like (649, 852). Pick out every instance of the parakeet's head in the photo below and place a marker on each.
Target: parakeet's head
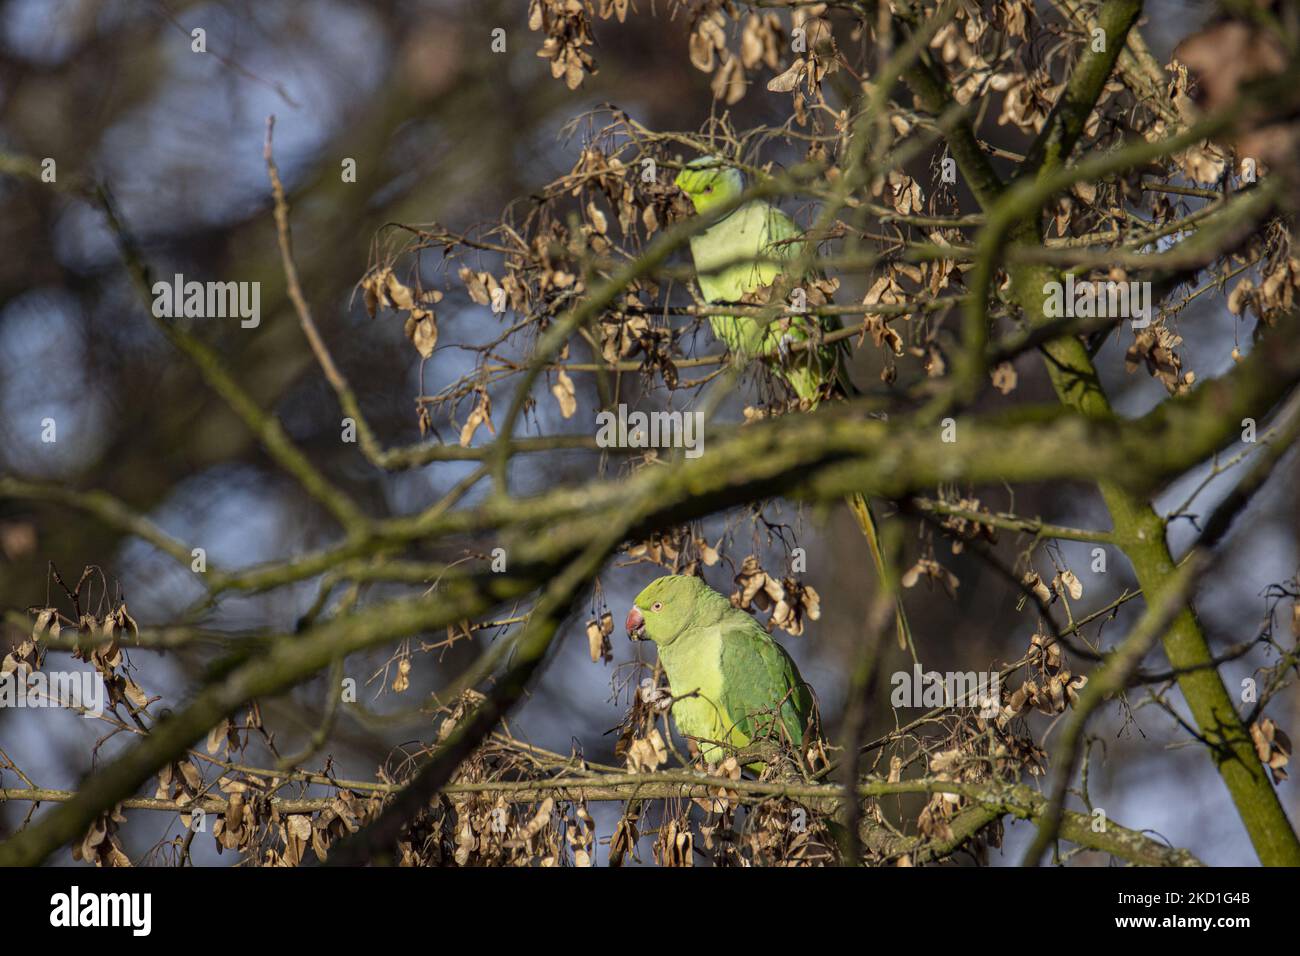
(710, 182)
(671, 604)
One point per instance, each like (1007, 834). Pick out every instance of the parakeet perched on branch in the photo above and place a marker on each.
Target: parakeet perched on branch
(736, 257)
(734, 683)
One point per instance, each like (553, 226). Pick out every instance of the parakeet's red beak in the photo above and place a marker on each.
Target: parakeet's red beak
(635, 623)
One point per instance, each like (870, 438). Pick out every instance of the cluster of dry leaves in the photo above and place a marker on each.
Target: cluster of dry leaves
(791, 602)
(99, 639)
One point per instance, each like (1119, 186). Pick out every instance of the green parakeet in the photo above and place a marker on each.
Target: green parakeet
(734, 681)
(733, 258)
(758, 231)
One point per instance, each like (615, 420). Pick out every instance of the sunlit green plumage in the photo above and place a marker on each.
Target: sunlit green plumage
(742, 253)
(735, 683)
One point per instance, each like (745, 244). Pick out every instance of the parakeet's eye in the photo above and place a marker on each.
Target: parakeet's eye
(709, 190)
(657, 606)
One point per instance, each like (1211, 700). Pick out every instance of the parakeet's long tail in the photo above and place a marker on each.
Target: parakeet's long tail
(842, 387)
(867, 522)
(825, 378)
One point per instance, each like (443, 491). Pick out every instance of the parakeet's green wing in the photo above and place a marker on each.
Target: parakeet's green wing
(758, 675)
(827, 364)
(780, 229)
